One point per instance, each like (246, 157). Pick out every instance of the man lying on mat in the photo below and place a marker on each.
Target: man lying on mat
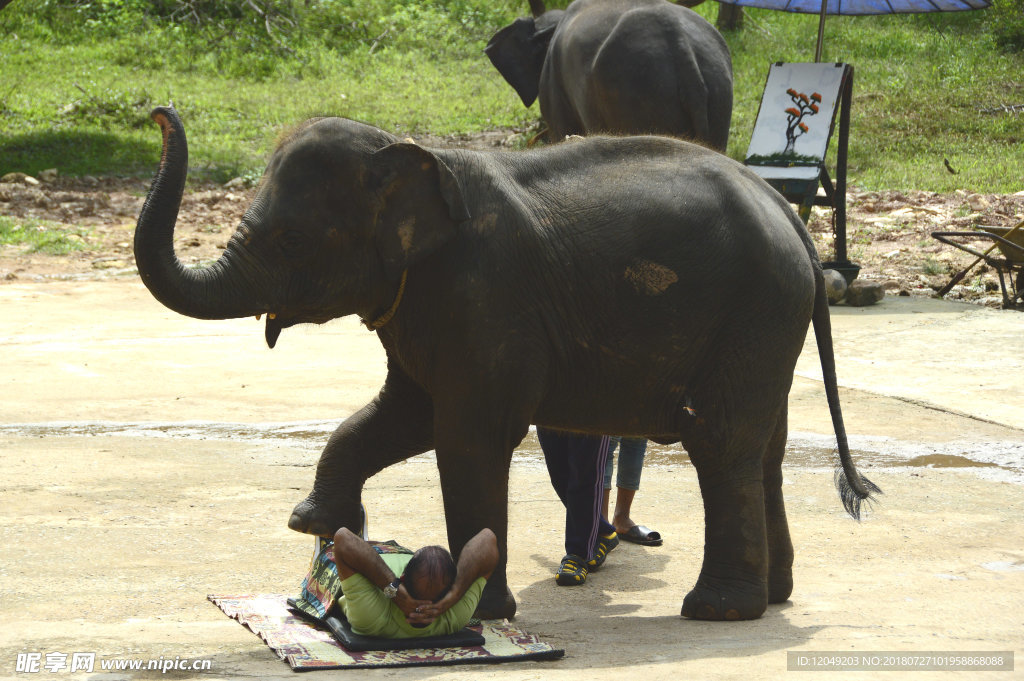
(432, 596)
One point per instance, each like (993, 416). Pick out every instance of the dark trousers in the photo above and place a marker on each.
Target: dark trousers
(576, 465)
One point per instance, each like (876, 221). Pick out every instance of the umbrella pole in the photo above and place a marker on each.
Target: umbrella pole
(821, 31)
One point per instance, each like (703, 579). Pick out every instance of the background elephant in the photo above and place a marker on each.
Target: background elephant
(670, 301)
(620, 66)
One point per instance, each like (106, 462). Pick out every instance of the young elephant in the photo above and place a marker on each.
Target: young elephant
(620, 66)
(635, 285)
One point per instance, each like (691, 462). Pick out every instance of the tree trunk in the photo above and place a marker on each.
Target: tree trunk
(730, 17)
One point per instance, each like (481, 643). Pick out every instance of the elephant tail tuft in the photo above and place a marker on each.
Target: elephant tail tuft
(851, 496)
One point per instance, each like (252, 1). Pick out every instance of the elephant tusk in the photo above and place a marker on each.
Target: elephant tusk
(273, 331)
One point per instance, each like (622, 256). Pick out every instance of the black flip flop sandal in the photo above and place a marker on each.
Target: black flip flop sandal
(638, 534)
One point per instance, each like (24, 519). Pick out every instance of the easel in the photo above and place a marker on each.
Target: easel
(798, 179)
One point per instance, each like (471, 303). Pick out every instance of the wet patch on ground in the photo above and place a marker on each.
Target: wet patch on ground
(990, 459)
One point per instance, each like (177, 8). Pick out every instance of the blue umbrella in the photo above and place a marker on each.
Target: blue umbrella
(859, 7)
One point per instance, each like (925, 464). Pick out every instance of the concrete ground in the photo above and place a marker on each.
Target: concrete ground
(149, 460)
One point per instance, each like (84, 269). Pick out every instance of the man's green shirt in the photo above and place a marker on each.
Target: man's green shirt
(371, 613)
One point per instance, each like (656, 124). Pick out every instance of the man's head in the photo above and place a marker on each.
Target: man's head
(430, 573)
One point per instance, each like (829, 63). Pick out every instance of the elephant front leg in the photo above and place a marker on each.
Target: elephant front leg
(733, 581)
(397, 424)
(475, 497)
(474, 484)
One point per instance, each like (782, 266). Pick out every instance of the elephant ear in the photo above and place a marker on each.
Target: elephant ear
(518, 52)
(419, 204)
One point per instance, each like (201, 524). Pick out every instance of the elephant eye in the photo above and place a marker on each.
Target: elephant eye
(293, 242)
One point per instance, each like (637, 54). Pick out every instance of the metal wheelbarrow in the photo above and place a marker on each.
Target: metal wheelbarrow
(1005, 256)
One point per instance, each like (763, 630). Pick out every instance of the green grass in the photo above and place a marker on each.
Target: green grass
(38, 236)
(48, 121)
(78, 99)
(931, 266)
(919, 84)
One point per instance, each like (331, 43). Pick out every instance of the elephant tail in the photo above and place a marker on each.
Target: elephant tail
(853, 487)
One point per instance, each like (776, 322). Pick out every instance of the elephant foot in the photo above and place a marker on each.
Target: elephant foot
(496, 605)
(309, 517)
(720, 600)
(780, 586)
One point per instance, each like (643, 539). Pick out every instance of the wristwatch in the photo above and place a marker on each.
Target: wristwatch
(391, 590)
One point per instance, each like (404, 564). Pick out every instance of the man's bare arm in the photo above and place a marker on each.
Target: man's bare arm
(478, 559)
(354, 556)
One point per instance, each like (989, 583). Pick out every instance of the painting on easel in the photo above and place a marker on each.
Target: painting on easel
(795, 120)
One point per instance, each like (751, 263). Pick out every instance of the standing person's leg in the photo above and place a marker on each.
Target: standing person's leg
(631, 462)
(613, 442)
(584, 524)
(576, 464)
(573, 568)
(556, 458)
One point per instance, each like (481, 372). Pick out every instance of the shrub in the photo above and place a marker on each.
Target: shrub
(1006, 20)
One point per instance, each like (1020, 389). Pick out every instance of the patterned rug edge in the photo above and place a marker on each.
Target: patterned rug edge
(552, 654)
(300, 655)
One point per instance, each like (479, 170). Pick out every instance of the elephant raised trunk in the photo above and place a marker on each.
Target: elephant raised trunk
(215, 292)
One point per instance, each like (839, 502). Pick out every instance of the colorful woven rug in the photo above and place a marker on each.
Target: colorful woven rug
(305, 647)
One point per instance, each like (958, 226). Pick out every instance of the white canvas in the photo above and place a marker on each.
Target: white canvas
(797, 108)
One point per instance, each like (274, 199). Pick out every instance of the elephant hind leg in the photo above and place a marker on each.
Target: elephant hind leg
(780, 546)
(740, 516)
(733, 579)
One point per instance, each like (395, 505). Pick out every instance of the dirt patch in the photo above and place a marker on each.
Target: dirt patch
(889, 236)
(888, 233)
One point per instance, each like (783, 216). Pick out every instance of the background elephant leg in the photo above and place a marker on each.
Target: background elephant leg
(780, 546)
(560, 114)
(397, 424)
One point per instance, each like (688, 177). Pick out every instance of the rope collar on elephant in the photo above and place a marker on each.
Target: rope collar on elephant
(387, 316)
